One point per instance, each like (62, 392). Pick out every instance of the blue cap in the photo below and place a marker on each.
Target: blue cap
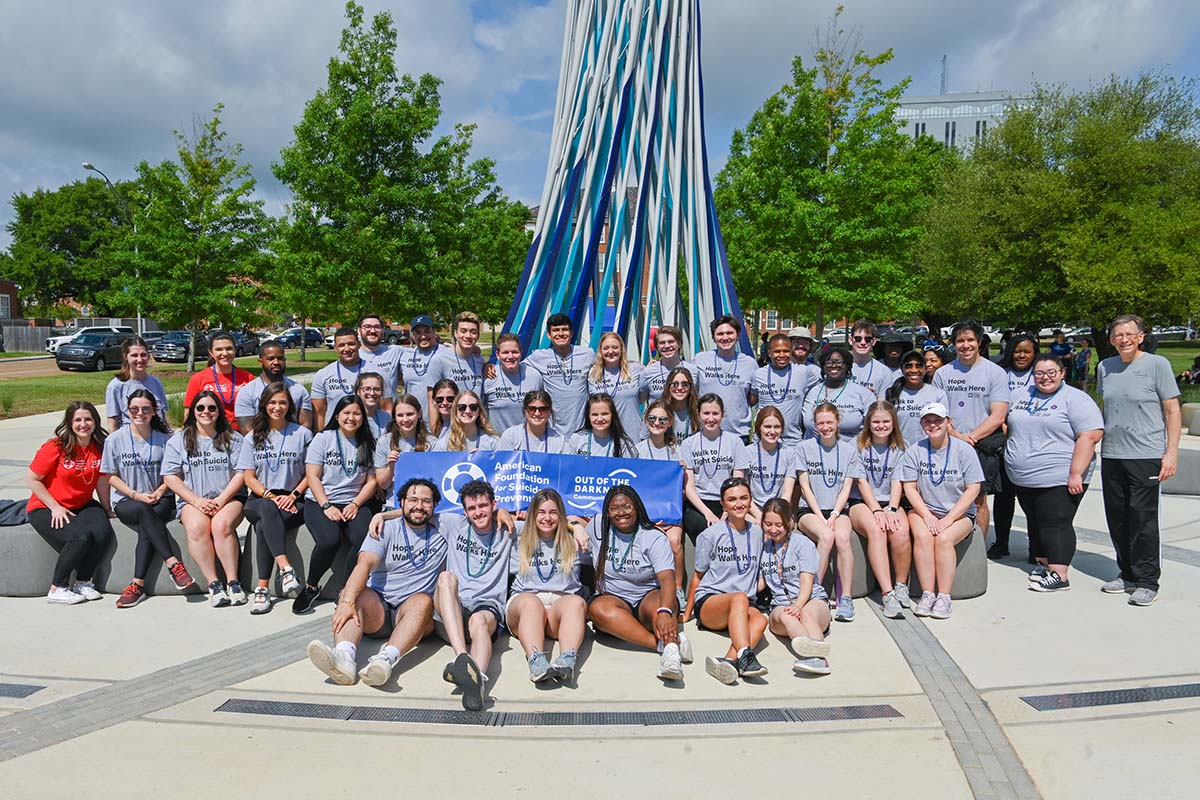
(422, 319)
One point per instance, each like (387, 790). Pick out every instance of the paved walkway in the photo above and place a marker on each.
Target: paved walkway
(1017, 695)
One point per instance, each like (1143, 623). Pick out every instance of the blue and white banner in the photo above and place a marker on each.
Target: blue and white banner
(518, 476)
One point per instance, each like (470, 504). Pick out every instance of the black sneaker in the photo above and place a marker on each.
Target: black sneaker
(306, 599)
(1050, 582)
(997, 551)
(748, 666)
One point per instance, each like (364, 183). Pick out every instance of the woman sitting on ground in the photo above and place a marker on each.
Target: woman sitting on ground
(799, 605)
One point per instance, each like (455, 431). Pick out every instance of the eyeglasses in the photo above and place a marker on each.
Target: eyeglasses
(655, 419)
(137, 411)
(371, 327)
(1046, 373)
(863, 338)
(538, 409)
(681, 385)
(441, 401)
(369, 390)
(1123, 336)
(468, 406)
(205, 409)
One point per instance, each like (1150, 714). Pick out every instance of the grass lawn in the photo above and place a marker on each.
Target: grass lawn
(25, 396)
(19, 354)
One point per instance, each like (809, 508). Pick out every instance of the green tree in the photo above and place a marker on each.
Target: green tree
(384, 216)
(63, 248)
(199, 248)
(820, 199)
(1077, 207)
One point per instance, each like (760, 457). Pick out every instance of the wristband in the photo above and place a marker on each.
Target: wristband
(665, 610)
(347, 602)
(354, 502)
(268, 494)
(877, 511)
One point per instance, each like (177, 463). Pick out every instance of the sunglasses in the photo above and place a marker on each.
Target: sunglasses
(863, 338)
(137, 411)
(205, 409)
(443, 400)
(655, 419)
(538, 409)
(468, 406)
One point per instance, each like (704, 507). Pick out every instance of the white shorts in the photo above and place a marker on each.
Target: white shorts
(548, 599)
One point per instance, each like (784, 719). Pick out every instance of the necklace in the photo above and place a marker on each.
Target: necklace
(877, 479)
(870, 372)
(408, 545)
(279, 459)
(786, 388)
(227, 401)
(486, 560)
(929, 452)
(774, 470)
(348, 472)
(721, 377)
(1033, 393)
(612, 550)
(837, 464)
(604, 375)
(144, 465)
(420, 371)
(607, 448)
(537, 564)
(687, 425)
(825, 386)
(468, 370)
(716, 456)
(651, 447)
(737, 561)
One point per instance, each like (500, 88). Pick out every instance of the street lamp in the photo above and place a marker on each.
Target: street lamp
(128, 218)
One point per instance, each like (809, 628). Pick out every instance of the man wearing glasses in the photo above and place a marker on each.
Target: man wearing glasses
(379, 357)
(1141, 450)
(866, 370)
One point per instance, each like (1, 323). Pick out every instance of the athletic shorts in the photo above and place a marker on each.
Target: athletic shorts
(548, 599)
(700, 601)
(633, 607)
(389, 617)
(466, 616)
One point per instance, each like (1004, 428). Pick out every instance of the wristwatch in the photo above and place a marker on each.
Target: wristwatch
(326, 505)
(296, 493)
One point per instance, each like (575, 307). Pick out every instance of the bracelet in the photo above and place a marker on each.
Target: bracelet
(877, 511)
(347, 602)
(665, 610)
(354, 503)
(268, 494)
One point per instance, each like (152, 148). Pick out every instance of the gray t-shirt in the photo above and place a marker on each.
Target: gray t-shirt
(116, 396)
(908, 409)
(767, 472)
(1041, 435)
(383, 447)
(519, 439)
(583, 443)
(465, 371)
(504, 395)
(332, 383)
(546, 571)
(246, 404)
(873, 375)
(971, 390)
(207, 473)
(852, 401)
(624, 392)
(712, 461)
(1019, 380)
(941, 475)
(728, 559)
(341, 474)
(279, 462)
(386, 361)
(414, 371)
(480, 561)
(410, 560)
(683, 424)
(378, 422)
(632, 562)
(136, 461)
(482, 441)
(879, 465)
(653, 379)
(828, 470)
(731, 379)
(647, 450)
(565, 378)
(1133, 395)
(785, 391)
(782, 566)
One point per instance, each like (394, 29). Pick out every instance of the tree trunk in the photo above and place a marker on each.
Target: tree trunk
(191, 362)
(820, 321)
(303, 336)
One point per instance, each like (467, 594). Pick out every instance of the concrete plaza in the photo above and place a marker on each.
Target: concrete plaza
(175, 696)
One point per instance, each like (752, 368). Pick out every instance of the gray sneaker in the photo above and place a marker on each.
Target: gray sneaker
(377, 671)
(808, 648)
(539, 667)
(1142, 596)
(891, 606)
(722, 669)
(901, 590)
(925, 605)
(1038, 572)
(941, 607)
(845, 609)
(563, 668)
(813, 666)
(1118, 586)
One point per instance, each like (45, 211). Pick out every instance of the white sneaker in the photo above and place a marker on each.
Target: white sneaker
(810, 648)
(685, 649)
(64, 596)
(216, 595)
(86, 589)
(670, 667)
(377, 671)
(289, 584)
(262, 601)
(335, 663)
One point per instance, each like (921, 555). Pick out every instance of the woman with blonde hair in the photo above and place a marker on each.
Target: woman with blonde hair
(611, 374)
(546, 593)
(469, 426)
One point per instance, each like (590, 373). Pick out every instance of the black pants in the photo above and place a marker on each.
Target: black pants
(1131, 506)
(271, 525)
(150, 522)
(694, 522)
(1050, 514)
(80, 543)
(327, 536)
(1004, 504)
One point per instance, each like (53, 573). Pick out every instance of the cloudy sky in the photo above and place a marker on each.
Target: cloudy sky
(108, 82)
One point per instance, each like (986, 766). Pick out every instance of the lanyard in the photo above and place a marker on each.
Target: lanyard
(929, 452)
(486, 560)
(349, 473)
(408, 544)
(774, 470)
(786, 388)
(227, 401)
(612, 550)
(837, 464)
(737, 561)
(537, 564)
(716, 456)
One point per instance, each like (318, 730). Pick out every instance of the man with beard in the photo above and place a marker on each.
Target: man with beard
(273, 360)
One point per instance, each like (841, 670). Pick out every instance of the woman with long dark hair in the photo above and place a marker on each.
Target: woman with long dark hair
(221, 376)
(70, 502)
(680, 391)
(443, 394)
(340, 466)
(133, 458)
(911, 392)
(272, 462)
(536, 433)
(200, 467)
(1017, 363)
(133, 375)
(406, 433)
(602, 432)
(712, 456)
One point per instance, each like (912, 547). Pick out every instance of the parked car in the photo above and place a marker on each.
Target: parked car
(54, 342)
(328, 342)
(174, 346)
(150, 337)
(397, 336)
(265, 336)
(95, 351)
(291, 338)
(246, 344)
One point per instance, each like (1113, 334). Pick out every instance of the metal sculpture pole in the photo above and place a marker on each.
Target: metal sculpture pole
(627, 218)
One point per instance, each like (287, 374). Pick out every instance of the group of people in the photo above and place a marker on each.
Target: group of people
(784, 464)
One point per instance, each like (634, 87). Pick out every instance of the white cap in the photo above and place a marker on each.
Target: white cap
(801, 333)
(934, 409)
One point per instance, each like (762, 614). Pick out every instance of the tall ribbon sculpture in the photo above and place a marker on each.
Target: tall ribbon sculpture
(627, 234)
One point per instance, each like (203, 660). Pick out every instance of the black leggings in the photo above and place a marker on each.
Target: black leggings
(327, 536)
(694, 522)
(150, 522)
(271, 525)
(80, 543)
(1050, 514)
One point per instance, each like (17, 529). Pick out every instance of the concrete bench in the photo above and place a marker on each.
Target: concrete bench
(971, 578)
(1187, 476)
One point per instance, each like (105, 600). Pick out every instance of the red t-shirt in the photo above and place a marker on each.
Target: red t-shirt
(210, 379)
(71, 478)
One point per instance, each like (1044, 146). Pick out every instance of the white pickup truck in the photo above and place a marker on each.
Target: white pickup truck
(53, 342)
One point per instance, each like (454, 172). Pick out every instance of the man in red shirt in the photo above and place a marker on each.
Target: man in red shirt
(221, 376)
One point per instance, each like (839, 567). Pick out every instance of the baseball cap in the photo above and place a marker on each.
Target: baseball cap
(936, 409)
(422, 319)
(800, 333)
